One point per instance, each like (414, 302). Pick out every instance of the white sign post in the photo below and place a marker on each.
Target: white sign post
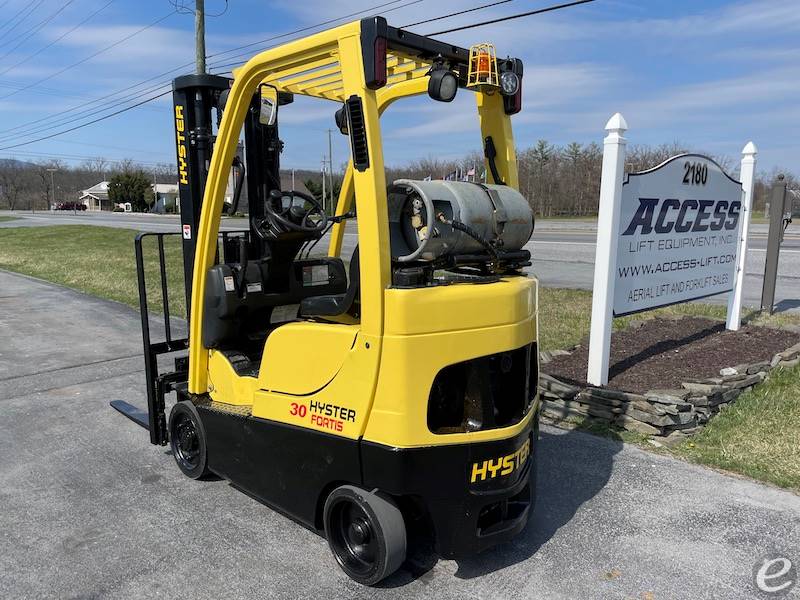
(671, 234)
(606, 255)
(747, 175)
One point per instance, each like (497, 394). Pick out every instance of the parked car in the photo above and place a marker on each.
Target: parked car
(70, 206)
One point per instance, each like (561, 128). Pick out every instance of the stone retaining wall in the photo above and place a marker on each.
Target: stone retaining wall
(673, 414)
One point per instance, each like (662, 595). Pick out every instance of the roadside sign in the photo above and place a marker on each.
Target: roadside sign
(679, 230)
(673, 233)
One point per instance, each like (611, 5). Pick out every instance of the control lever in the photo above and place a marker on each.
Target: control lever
(240, 276)
(343, 217)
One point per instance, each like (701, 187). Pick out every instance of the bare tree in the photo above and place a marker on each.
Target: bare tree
(13, 182)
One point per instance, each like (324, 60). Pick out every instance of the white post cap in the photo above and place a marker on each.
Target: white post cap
(750, 149)
(617, 123)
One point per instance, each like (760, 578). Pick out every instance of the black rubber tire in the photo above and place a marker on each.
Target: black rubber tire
(349, 511)
(187, 439)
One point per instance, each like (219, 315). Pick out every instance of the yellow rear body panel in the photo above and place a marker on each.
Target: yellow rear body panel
(301, 358)
(341, 407)
(438, 327)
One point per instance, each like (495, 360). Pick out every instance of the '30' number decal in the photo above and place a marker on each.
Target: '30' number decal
(297, 410)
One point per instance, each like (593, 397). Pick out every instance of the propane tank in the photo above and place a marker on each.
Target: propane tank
(433, 219)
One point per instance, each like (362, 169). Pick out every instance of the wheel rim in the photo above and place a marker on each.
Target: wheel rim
(186, 442)
(353, 538)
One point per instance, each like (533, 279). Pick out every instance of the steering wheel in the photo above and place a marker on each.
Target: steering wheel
(289, 216)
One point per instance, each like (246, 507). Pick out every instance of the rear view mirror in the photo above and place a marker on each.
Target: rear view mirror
(341, 120)
(268, 113)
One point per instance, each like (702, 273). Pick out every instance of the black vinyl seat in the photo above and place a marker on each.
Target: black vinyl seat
(337, 304)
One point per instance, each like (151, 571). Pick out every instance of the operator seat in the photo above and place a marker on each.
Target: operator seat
(337, 304)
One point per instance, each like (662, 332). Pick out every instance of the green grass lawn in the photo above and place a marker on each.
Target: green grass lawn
(758, 436)
(4, 218)
(96, 260)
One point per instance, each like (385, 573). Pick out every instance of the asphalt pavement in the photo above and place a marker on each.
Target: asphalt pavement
(91, 510)
(562, 250)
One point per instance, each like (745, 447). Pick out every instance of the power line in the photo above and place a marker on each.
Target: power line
(128, 94)
(26, 35)
(304, 29)
(142, 102)
(89, 113)
(455, 14)
(58, 39)
(108, 116)
(91, 56)
(61, 156)
(30, 8)
(82, 108)
(510, 17)
(84, 114)
(220, 13)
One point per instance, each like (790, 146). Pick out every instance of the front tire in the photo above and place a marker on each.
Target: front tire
(187, 439)
(366, 533)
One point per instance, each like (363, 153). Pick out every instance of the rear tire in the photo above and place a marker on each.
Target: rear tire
(366, 533)
(187, 439)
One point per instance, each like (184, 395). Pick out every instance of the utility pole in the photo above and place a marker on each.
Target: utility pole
(323, 183)
(200, 36)
(330, 169)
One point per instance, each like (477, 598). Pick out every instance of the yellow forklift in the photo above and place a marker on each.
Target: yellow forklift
(401, 387)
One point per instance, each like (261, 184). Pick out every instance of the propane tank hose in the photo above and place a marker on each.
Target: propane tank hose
(459, 226)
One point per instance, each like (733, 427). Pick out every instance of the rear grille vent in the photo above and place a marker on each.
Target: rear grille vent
(358, 133)
(484, 393)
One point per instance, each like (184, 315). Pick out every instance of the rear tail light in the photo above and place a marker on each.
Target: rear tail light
(373, 51)
(513, 104)
(378, 79)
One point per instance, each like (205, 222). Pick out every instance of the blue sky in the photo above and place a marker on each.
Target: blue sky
(709, 74)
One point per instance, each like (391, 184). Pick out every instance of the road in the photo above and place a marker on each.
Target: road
(563, 251)
(91, 510)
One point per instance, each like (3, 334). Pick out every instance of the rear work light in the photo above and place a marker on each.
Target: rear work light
(512, 104)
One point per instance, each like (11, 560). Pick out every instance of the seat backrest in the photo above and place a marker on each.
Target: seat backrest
(352, 299)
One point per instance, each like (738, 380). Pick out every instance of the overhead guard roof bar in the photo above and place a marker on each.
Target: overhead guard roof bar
(408, 56)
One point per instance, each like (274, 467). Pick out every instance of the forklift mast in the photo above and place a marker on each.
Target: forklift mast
(199, 101)
(194, 97)
(198, 104)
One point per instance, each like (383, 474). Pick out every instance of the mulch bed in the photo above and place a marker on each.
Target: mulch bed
(662, 353)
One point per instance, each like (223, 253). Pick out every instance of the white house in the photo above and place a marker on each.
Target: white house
(165, 194)
(96, 197)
